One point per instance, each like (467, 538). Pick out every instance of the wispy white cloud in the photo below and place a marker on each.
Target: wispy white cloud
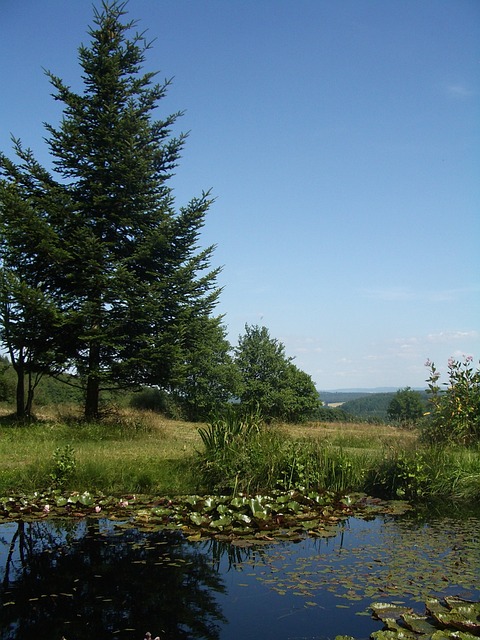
(393, 294)
(459, 90)
(382, 361)
(450, 336)
(406, 294)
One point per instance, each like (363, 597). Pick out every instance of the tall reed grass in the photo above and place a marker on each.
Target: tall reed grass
(267, 458)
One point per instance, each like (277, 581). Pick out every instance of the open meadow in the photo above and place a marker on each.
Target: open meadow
(143, 452)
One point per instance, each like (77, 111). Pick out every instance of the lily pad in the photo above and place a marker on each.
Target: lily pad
(448, 634)
(463, 618)
(86, 499)
(418, 623)
(221, 523)
(198, 519)
(384, 610)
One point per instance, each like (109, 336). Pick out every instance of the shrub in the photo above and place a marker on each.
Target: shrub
(227, 439)
(154, 399)
(241, 453)
(64, 465)
(402, 474)
(455, 411)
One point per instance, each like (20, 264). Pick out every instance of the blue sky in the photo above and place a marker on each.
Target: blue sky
(341, 140)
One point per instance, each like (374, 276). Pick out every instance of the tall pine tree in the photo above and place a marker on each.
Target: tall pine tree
(131, 271)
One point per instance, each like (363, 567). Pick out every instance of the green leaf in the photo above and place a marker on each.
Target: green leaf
(222, 522)
(86, 499)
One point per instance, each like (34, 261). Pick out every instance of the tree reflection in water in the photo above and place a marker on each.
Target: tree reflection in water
(82, 579)
(98, 578)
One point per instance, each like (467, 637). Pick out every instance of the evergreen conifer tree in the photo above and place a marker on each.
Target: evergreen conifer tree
(130, 273)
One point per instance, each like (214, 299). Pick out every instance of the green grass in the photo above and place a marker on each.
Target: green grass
(142, 452)
(130, 452)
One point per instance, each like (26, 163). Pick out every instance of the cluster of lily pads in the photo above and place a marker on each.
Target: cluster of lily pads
(452, 619)
(281, 514)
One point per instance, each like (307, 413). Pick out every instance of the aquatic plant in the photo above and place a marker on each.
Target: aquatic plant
(279, 513)
(452, 619)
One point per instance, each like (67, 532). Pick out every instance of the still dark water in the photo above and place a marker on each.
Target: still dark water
(95, 578)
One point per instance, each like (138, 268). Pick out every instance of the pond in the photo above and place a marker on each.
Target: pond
(92, 578)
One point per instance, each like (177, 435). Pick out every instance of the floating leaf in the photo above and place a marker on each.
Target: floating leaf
(418, 623)
(86, 499)
(161, 511)
(384, 610)
(198, 518)
(393, 635)
(238, 502)
(224, 521)
(466, 619)
(210, 504)
(294, 506)
(242, 517)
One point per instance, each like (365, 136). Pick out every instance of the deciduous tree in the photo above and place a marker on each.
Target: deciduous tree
(269, 381)
(406, 406)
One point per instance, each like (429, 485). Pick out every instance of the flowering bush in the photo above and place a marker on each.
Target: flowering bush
(455, 411)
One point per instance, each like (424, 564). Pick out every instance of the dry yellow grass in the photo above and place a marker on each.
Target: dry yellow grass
(350, 434)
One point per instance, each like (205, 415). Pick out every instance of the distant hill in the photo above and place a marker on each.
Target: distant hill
(362, 404)
(339, 397)
(371, 405)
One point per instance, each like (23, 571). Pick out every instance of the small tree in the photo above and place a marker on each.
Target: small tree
(406, 407)
(455, 410)
(270, 382)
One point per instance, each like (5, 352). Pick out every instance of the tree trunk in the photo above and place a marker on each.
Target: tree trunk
(92, 398)
(20, 392)
(31, 391)
(93, 383)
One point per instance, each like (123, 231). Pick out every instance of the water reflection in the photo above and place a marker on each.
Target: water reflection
(94, 578)
(75, 580)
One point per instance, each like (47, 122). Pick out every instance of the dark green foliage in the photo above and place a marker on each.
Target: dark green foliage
(340, 397)
(372, 405)
(406, 407)
(154, 399)
(333, 414)
(7, 381)
(270, 382)
(115, 270)
(207, 377)
(29, 317)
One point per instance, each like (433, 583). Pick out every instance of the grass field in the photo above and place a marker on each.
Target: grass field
(143, 452)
